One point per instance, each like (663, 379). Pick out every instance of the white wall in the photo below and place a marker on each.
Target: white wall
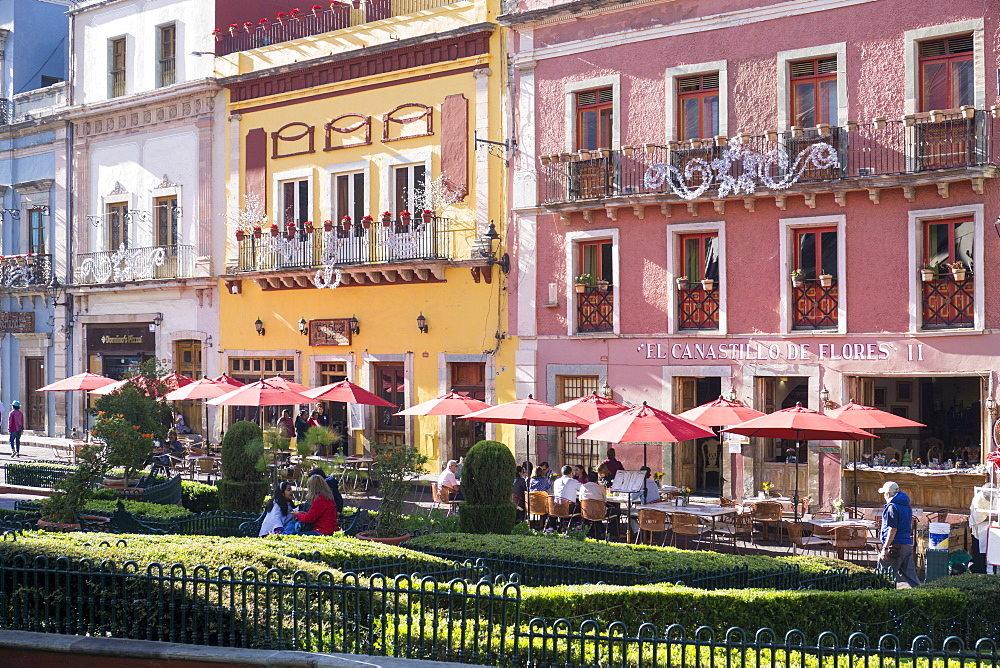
(137, 21)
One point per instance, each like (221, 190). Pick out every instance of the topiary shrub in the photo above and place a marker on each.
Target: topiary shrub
(487, 480)
(242, 489)
(199, 497)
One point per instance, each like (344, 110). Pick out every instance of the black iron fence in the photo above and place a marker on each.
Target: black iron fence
(408, 616)
(595, 310)
(354, 244)
(25, 271)
(775, 160)
(288, 26)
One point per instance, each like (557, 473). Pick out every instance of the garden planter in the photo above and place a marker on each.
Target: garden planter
(428, 216)
(958, 274)
(240, 235)
(708, 284)
(826, 280)
(274, 230)
(257, 233)
(926, 275)
(386, 219)
(45, 525)
(580, 288)
(798, 281)
(682, 283)
(405, 217)
(366, 222)
(603, 286)
(327, 225)
(396, 540)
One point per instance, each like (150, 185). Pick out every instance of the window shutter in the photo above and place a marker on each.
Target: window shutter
(806, 68)
(961, 44)
(827, 65)
(710, 81)
(699, 82)
(587, 98)
(948, 45)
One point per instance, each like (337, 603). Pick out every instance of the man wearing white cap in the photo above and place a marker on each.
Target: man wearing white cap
(897, 535)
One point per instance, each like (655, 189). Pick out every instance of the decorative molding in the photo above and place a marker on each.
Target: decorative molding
(119, 189)
(309, 132)
(388, 118)
(165, 183)
(140, 114)
(365, 122)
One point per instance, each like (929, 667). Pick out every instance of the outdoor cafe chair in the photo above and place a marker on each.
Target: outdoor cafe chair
(687, 525)
(442, 498)
(595, 512)
(821, 531)
(560, 512)
(851, 539)
(732, 528)
(652, 521)
(538, 508)
(802, 542)
(209, 467)
(767, 513)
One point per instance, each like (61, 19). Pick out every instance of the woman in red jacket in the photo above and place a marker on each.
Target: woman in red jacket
(322, 512)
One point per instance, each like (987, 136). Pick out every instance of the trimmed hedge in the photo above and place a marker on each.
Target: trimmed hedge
(199, 497)
(905, 613)
(105, 507)
(487, 479)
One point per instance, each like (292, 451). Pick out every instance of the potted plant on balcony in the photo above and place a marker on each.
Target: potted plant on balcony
(240, 235)
(282, 17)
(927, 272)
(958, 270)
(294, 13)
(582, 282)
(257, 232)
(310, 228)
(345, 223)
(708, 284)
(217, 34)
(682, 282)
(602, 286)
(798, 278)
(274, 230)
(233, 27)
(428, 215)
(316, 9)
(327, 225)
(290, 230)
(366, 222)
(386, 219)
(826, 280)
(405, 217)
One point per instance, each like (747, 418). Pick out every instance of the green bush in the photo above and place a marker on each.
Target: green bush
(242, 489)
(487, 480)
(983, 601)
(141, 509)
(139, 402)
(199, 497)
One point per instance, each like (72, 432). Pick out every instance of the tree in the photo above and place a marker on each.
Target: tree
(487, 481)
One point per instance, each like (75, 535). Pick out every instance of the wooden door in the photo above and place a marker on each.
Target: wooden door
(862, 391)
(34, 372)
(468, 378)
(390, 382)
(187, 357)
(764, 400)
(685, 453)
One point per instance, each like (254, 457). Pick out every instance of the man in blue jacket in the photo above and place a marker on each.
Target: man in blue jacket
(897, 535)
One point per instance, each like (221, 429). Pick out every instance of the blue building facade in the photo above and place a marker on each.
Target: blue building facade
(34, 164)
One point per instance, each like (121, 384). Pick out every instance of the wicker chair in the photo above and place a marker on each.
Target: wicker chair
(731, 528)
(538, 508)
(561, 512)
(767, 513)
(442, 498)
(595, 512)
(851, 539)
(799, 541)
(687, 525)
(652, 521)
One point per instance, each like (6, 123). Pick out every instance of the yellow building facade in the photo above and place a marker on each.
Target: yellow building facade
(366, 232)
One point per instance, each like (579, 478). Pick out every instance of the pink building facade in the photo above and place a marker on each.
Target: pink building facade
(737, 198)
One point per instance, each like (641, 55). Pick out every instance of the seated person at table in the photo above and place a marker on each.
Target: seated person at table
(579, 474)
(333, 484)
(611, 466)
(520, 490)
(650, 493)
(180, 425)
(448, 481)
(322, 514)
(278, 510)
(566, 487)
(540, 482)
(171, 447)
(593, 489)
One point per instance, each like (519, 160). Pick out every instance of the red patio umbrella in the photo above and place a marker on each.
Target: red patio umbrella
(645, 424)
(81, 381)
(347, 392)
(206, 388)
(108, 389)
(228, 380)
(867, 417)
(287, 384)
(261, 393)
(720, 413)
(801, 424)
(592, 408)
(452, 403)
(529, 412)
(175, 380)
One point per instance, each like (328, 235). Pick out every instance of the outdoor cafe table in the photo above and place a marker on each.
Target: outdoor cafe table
(192, 461)
(708, 511)
(868, 525)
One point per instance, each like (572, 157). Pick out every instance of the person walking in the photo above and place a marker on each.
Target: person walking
(15, 425)
(897, 535)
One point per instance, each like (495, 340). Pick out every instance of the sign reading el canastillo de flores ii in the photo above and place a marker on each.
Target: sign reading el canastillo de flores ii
(17, 322)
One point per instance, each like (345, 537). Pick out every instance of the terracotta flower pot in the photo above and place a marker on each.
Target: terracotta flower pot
(826, 280)
(406, 218)
(798, 281)
(708, 284)
(274, 230)
(327, 225)
(428, 216)
(927, 275)
(240, 235)
(257, 233)
(386, 219)
(682, 283)
(396, 540)
(580, 287)
(958, 274)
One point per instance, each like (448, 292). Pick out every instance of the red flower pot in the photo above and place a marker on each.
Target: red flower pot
(428, 216)
(240, 235)
(257, 233)
(274, 230)
(327, 225)
(386, 219)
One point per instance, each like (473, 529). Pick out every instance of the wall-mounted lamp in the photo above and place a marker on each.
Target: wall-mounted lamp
(303, 327)
(733, 396)
(422, 323)
(158, 320)
(353, 322)
(259, 326)
(504, 261)
(606, 391)
(824, 399)
(991, 407)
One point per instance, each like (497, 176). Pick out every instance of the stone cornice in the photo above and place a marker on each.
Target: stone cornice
(151, 97)
(188, 104)
(569, 11)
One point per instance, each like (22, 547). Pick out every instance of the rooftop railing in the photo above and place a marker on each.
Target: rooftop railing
(287, 26)
(774, 161)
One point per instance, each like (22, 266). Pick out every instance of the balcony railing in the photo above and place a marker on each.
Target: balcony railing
(127, 265)
(595, 308)
(948, 302)
(698, 307)
(25, 271)
(355, 245)
(814, 305)
(6, 111)
(705, 169)
(305, 24)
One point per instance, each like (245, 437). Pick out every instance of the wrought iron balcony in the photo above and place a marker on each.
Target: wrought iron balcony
(595, 308)
(805, 159)
(127, 265)
(6, 111)
(342, 246)
(814, 304)
(698, 306)
(341, 15)
(25, 271)
(948, 301)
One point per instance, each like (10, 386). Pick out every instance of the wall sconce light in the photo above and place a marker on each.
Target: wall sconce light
(303, 327)
(422, 323)
(353, 322)
(259, 326)
(733, 396)
(504, 261)
(991, 407)
(824, 398)
(606, 391)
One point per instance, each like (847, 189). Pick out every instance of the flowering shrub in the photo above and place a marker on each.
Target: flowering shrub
(395, 467)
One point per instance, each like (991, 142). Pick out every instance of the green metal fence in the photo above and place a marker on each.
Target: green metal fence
(464, 620)
(36, 474)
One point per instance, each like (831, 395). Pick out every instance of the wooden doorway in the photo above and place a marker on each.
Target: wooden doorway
(468, 378)
(34, 378)
(333, 414)
(187, 357)
(697, 463)
(390, 382)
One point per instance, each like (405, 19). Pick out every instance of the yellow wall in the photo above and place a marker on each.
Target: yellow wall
(463, 316)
